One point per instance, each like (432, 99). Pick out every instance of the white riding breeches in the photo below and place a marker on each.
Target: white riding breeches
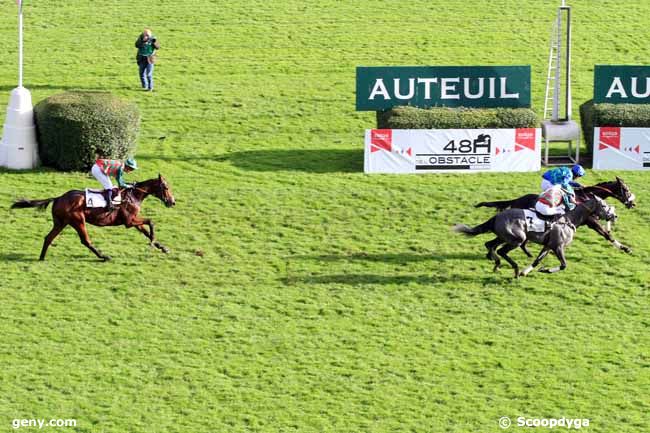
(545, 209)
(546, 184)
(101, 177)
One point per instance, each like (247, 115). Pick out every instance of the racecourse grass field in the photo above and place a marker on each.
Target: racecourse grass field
(301, 295)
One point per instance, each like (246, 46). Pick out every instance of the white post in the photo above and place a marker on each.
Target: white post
(18, 147)
(20, 44)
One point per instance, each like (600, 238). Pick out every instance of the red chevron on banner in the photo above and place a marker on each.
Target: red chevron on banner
(381, 139)
(610, 136)
(524, 139)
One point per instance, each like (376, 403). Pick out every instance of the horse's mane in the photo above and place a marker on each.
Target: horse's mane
(145, 182)
(609, 186)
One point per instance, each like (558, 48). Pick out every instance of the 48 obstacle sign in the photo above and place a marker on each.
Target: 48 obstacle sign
(464, 154)
(445, 150)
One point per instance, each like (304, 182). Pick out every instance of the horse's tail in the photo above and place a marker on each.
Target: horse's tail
(487, 226)
(40, 204)
(499, 205)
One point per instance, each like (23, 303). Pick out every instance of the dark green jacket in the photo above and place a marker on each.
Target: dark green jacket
(145, 49)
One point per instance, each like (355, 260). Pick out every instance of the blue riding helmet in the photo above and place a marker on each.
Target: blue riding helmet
(578, 171)
(131, 163)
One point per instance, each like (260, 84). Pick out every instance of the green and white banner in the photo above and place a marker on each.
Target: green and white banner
(380, 88)
(617, 84)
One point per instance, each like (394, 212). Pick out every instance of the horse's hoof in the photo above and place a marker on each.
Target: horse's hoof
(106, 258)
(545, 270)
(627, 250)
(164, 250)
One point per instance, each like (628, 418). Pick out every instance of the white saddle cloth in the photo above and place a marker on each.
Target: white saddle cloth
(95, 198)
(534, 223)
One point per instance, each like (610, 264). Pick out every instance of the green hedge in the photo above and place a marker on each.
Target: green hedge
(630, 115)
(458, 118)
(74, 128)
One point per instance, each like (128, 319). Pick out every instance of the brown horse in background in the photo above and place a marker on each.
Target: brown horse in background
(70, 209)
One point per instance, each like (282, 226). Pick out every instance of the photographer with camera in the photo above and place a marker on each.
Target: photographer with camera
(147, 44)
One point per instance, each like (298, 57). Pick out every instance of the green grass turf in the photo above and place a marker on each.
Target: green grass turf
(300, 294)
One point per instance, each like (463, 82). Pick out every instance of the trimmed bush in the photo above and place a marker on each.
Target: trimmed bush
(74, 128)
(456, 118)
(630, 115)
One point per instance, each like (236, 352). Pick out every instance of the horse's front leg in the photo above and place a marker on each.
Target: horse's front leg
(139, 224)
(595, 225)
(537, 261)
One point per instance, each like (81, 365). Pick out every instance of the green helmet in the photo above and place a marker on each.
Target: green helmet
(130, 162)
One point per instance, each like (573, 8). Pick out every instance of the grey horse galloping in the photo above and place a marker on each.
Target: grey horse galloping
(511, 229)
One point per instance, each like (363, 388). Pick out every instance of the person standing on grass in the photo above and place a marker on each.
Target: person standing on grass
(147, 46)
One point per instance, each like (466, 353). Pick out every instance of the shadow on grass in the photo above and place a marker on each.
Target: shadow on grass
(8, 88)
(391, 257)
(388, 258)
(303, 160)
(307, 160)
(373, 279)
(18, 257)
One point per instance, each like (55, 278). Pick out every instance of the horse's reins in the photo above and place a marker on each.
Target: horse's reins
(631, 198)
(603, 188)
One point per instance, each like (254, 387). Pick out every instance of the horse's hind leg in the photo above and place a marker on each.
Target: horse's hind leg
(503, 252)
(559, 252)
(80, 227)
(525, 249)
(491, 254)
(58, 226)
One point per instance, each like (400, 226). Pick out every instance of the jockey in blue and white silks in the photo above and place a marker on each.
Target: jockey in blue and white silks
(562, 176)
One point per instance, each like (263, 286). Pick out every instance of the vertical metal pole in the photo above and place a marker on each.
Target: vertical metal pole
(556, 94)
(20, 44)
(569, 101)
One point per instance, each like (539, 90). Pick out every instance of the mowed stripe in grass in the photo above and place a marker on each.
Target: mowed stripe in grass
(300, 294)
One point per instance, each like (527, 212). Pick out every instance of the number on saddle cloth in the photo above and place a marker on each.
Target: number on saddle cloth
(95, 198)
(534, 222)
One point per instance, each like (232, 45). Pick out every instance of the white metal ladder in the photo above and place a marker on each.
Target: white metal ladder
(553, 75)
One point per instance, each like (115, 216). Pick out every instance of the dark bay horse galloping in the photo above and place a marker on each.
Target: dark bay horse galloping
(70, 209)
(617, 189)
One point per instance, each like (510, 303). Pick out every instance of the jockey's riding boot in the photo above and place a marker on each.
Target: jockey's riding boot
(109, 199)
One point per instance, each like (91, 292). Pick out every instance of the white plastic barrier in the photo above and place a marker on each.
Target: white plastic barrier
(19, 148)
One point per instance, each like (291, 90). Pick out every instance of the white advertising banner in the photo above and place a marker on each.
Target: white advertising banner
(621, 148)
(452, 150)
